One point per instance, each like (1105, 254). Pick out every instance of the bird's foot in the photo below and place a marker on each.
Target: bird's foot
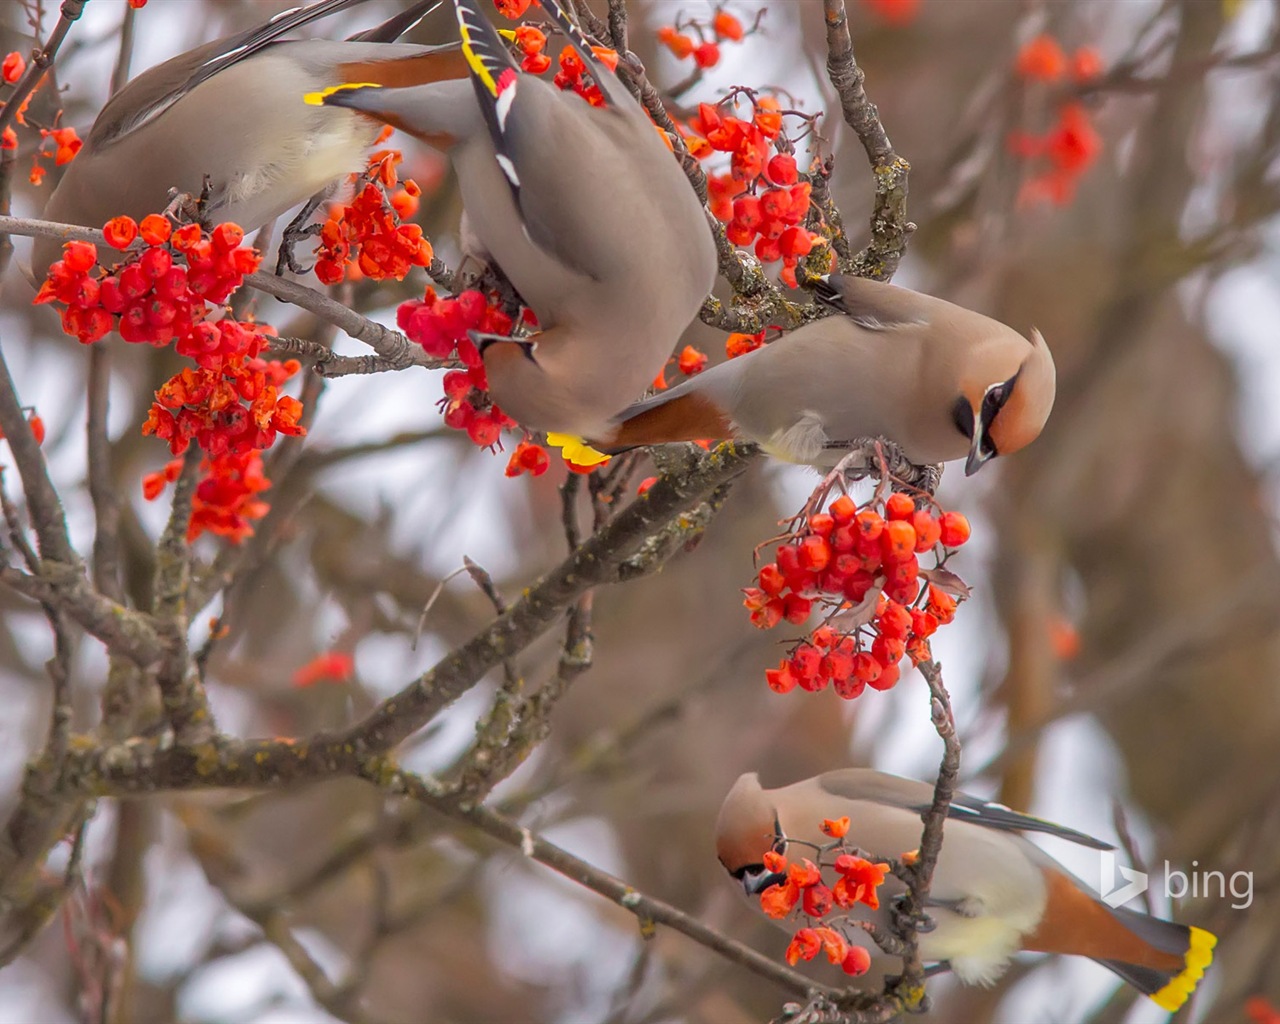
(298, 229)
(906, 921)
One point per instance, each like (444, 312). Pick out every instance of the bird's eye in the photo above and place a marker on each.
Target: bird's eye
(993, 400)
(962, 416)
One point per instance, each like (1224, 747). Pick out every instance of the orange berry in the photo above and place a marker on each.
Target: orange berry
(1042, 58)
(870, 525)
(780, 679)
(843, 509)
(155, 229)
(822, 524)
(899, 506)
(898, 542)
(895, 620)
(727, 26)
(928, 530)
(815, 553)
(120, 232)
(954, 529)
(887, 679)
(1086, 64)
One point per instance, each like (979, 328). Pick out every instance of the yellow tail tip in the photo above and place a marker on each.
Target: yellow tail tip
(316, 99)
(1198, 957)
(576, 450)
(509, 34)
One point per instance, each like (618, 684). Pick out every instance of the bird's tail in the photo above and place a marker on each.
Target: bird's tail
(1170, 988)
(680, 414)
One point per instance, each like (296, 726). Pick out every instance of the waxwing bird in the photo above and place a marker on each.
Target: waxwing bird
(941, 381)
(232, 111)
(584, 209)
(993, 893)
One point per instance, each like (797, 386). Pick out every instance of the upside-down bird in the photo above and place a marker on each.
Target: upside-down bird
(939, 380)
(585, 210)
(993, 893)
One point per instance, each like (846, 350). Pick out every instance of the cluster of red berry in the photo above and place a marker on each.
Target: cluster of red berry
(839, 560)
(366, 237)
(573, 73)
(858, 881)
(705, 50)
(226, 501)
(231, 403)
(1071, 145)
(440, 326)
(148, 297)
(761, 198)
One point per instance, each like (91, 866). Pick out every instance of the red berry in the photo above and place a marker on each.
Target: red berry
(899, 506)
(887, 679)
(815, 553)
(898, 542)
(954, 529)
(780, 679)
(843, 509)
(817, 900)
(796, 609)
(866, 668)
(822, 524)
(857, 961)
(928, 530)
(771, 579)
(895, 620)
(789, 559)
(849, 688)
(870, 525)
(782, 169)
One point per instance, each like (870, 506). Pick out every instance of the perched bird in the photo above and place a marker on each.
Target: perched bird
(232, 111)
(993, 892)
(583, 208)
(941, 381)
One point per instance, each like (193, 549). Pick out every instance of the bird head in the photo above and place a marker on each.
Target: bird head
(746, 830)
(1001, 416)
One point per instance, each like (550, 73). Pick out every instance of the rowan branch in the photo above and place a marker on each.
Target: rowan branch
(889, 225)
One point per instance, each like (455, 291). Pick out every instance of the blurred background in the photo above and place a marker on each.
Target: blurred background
(1122, 647)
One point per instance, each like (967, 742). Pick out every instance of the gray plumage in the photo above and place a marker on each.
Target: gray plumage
(587, 213)
(233, 110)
(994, 892)
(891, 363)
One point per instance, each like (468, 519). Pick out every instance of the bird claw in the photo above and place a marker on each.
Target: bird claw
(906, 922)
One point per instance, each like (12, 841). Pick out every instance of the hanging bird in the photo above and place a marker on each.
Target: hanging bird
(941, 381)
(993, 893)
(584, 209)
(232, 111)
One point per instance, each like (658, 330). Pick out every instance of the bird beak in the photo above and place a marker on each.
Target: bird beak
(756, 882)
(977, 457)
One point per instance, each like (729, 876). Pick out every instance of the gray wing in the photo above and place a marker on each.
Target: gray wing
(874, 305)
(155, 90)
(913, 795)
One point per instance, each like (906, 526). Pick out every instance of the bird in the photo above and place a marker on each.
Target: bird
(940, 381)
(994, 892)
(585, 210)
(232, 111)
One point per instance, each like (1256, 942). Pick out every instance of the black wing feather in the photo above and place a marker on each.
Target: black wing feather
(615, 93)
